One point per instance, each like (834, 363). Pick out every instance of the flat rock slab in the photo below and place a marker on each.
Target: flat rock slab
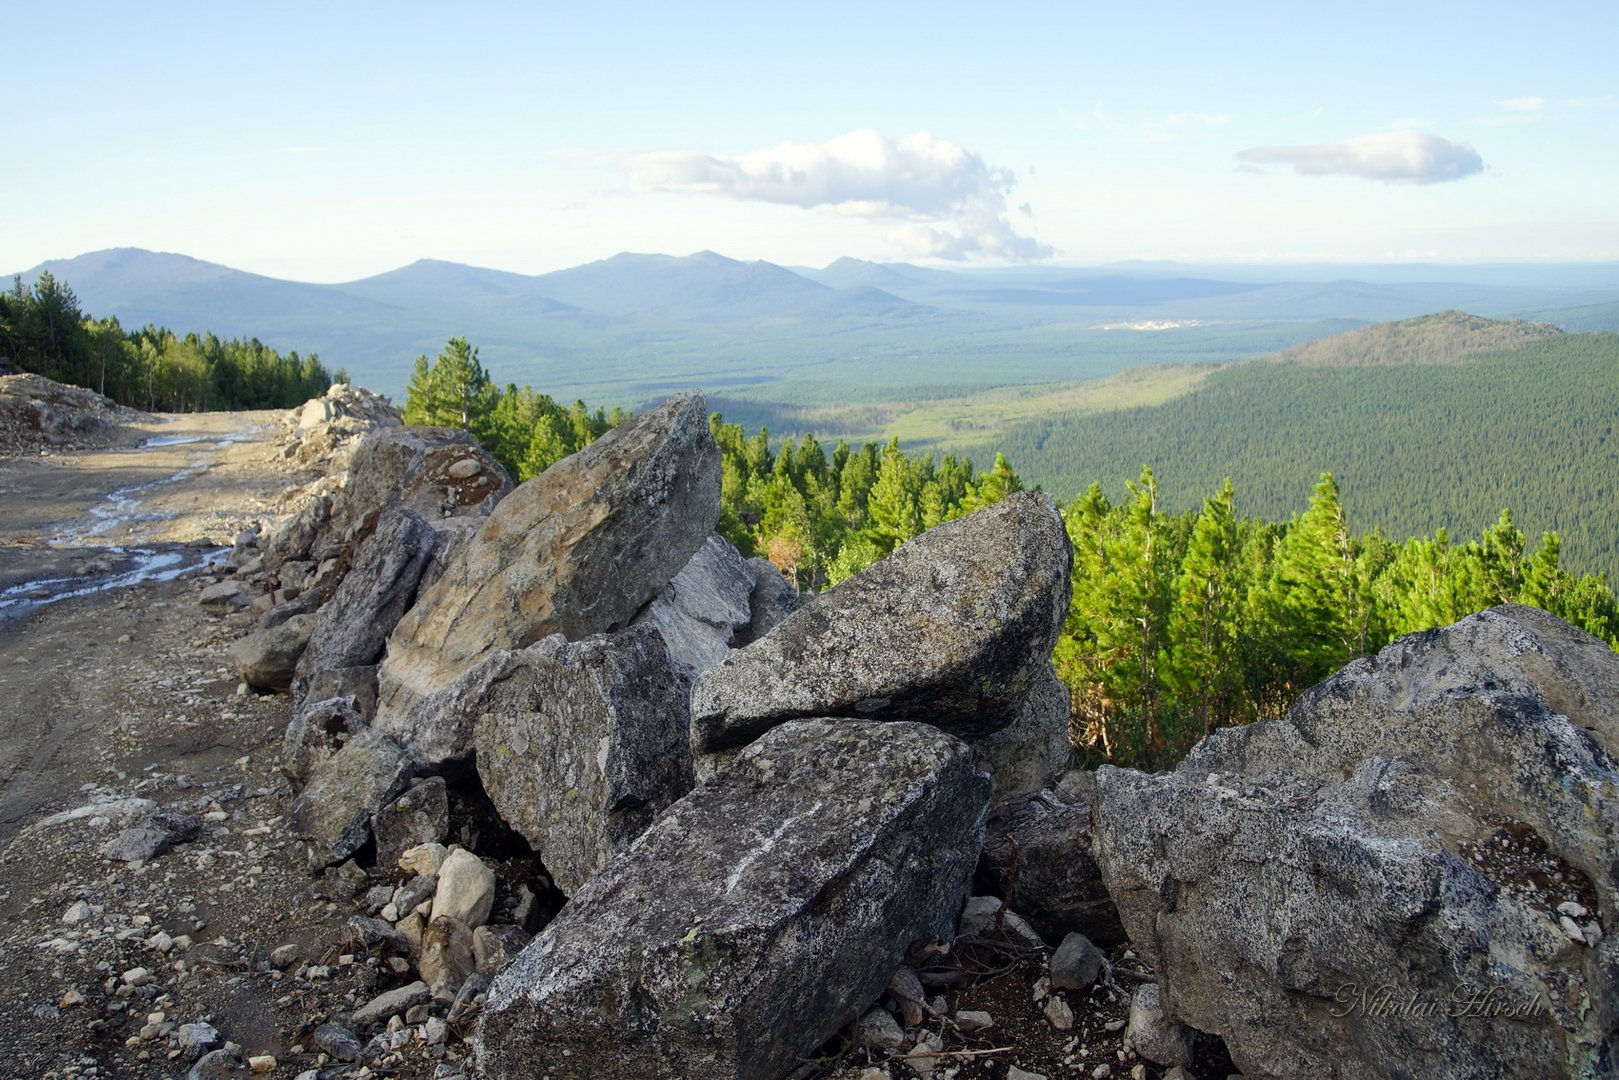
(582, 746)
(578, 550)
(1412, 873)
(952, 629)
(755, 918)
(701, 612)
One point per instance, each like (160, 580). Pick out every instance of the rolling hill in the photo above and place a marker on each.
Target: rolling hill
(1437, 422)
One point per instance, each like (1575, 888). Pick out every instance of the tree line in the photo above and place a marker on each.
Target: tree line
(1416, 447)
(42, 330)
(1179, 622)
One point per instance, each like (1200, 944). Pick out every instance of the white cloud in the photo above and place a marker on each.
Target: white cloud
(924, 180)
(1524, 104)
(1398, 157)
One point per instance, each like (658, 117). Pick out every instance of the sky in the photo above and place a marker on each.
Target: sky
(331, 142)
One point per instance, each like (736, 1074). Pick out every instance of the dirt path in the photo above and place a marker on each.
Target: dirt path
(118, 701)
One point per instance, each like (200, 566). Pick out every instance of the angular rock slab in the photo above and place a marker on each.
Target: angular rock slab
(1375, 885)
(706, 605)
(757, 916)
(352, 628)
(581, 748)
(1033, 750)
(268, 658)
(577, 550)
(333, 814)
(952, 629)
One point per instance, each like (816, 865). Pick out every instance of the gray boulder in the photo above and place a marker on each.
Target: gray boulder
(772, 599)
(584, 744)
(1410, 874)
(352, 628)
(333, 814)
(953, 628)
(577, 550)
(268, 658)
(1033, 750)
(317, 730)
(152, 835)
(420, 816)
(1038, 850)
(701, 611)
(756, 917)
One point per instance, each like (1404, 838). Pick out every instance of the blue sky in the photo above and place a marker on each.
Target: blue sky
(327, 143)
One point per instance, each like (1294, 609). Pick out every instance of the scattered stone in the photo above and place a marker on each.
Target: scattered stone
(577, 550)
(420, 816)
(1015, 1073)
(284, 956)
(77, 912)
(447, 958)
(380, 1008)
(466, 891)
(352, 628)
(195, 1038)
(584, 745)
(338, 1041)
(1038, 850)
(1077, 964)
(376, 933)
(924, 1057)
(878, 1030)
(731, 938)
(216, 1065)
(701, 611)
(267, 658)
(953, 629)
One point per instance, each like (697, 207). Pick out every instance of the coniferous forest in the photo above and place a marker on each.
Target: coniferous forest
(43, 331)
(1180, 622)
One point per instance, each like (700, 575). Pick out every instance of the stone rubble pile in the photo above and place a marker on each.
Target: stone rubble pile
(740, 826)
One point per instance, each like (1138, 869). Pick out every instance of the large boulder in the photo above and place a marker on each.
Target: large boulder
(703, 609)
(268, 658)
(435, 473)
(756, 917)
(578, 550)
(953, 628)
(352, 628)
(581, 747)
(1408, 875)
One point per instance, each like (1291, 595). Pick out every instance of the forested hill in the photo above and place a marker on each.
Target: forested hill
(1416, 445)
(1450, 337)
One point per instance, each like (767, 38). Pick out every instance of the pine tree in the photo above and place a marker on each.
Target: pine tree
(1200, 663)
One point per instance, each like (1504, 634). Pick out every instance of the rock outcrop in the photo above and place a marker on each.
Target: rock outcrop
(578, 550)
(333, 814)
(584, 744)
(755, 917)
(954, 629)
(1411, 874)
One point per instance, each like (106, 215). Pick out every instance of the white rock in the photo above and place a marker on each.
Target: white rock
(424, 858)
(1059, 1014)
(466, 889)
(77, 913)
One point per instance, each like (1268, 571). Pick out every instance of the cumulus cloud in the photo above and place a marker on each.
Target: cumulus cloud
(953, 203)
(1399, 157)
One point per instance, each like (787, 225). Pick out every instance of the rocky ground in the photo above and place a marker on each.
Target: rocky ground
(212, 951)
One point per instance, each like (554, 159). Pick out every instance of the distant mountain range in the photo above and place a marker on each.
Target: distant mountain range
(631, 327)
